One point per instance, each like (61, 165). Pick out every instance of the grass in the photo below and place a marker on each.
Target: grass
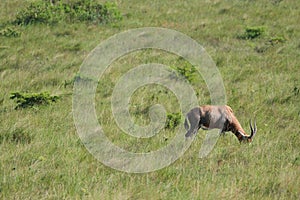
(42, 156)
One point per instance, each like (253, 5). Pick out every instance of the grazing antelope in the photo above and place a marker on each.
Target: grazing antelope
(216, 117)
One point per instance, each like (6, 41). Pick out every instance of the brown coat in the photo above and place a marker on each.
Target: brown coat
(216, 117)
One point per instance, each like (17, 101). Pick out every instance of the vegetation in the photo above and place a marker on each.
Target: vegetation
(16, 136)
(49, 12)
(276, 40)
(173, 120)
(41, 155)
(252, 32)
(10, 32)
(188, 71)
(25, 100)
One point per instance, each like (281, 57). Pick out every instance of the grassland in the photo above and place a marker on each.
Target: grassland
(42, 157)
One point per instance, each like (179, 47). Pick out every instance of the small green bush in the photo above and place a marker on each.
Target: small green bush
(187, 71)
(252, 32)
(25, 100)
(173, 120)
(46, 12)
(37, 12)
(88, 10)
(10, 32)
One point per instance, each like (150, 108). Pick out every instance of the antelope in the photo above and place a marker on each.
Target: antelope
(216, 117)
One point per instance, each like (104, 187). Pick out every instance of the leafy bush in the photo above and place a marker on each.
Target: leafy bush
(88, 10)
(25, 100)
(37, 12)
(173, 120)
(252, 32)
(44, 11)
(10, 32)
(187, 71)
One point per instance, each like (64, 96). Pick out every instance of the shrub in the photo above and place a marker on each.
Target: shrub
(187, 71)
(37, 12)
(44, 11)
(173, 120)
(252, 32)
(25, 100)
(88, 10)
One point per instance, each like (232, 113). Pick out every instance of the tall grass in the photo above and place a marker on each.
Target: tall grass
(42, 157)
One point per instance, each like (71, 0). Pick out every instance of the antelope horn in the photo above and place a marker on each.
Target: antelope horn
(253, 130)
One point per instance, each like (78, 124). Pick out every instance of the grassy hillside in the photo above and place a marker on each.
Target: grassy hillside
(256, 47)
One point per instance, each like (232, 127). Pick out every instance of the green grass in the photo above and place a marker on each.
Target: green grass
(42, 157)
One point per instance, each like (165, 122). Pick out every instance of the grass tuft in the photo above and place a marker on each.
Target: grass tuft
(277, 40)
(10, 32)
(16, 136)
